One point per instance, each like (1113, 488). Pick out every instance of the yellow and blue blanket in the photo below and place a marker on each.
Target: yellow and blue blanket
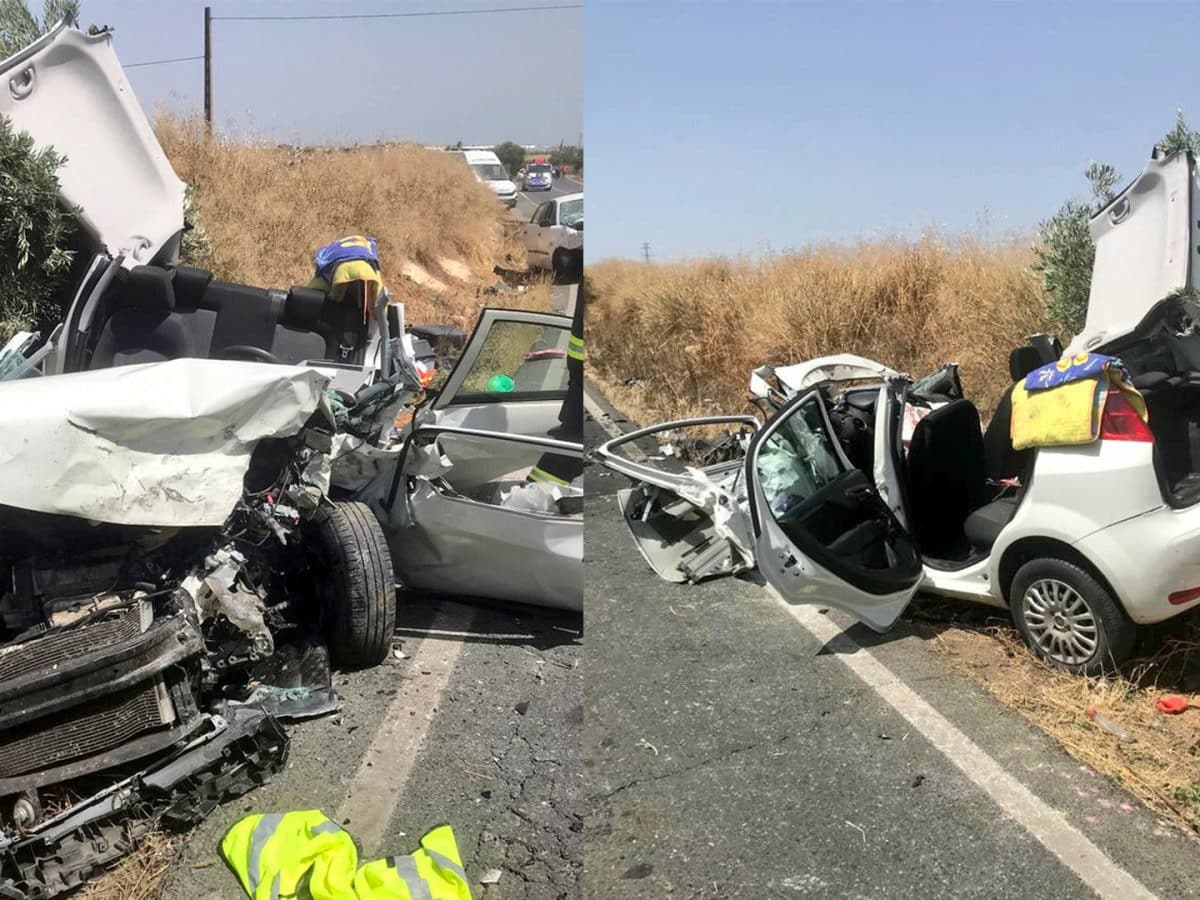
(1061, 403)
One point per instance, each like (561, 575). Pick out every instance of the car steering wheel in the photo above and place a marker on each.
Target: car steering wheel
(250, 353)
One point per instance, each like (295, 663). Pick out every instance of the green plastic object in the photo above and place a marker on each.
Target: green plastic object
(500, 384)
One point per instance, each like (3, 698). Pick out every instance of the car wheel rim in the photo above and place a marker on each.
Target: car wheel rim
(1059, 621)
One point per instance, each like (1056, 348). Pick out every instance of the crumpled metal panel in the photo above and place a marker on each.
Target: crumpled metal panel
(164, 444)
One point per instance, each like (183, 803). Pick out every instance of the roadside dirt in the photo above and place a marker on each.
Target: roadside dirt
(1160, 760)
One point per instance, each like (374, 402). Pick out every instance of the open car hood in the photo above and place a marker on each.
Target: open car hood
(1143, 249)
(163, 444)
(69, 92)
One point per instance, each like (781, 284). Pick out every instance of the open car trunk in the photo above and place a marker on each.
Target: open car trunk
(1144, 307)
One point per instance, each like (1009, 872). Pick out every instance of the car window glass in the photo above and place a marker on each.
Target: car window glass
(546, 214)
(526, 360)
(570, 212)
(490, 171)
(797, 460)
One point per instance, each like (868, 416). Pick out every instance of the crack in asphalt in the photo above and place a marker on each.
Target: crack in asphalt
(543, 848)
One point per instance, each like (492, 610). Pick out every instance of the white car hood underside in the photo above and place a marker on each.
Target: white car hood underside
(165, 444)
(69, 92)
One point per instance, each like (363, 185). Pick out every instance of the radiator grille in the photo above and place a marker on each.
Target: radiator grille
(77, 733)
(60, 646)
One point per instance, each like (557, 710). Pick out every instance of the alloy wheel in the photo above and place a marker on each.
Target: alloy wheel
(1059, 621)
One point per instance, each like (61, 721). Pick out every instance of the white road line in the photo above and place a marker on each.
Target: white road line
(1041, 820)
(388, 762)
(1045, 823)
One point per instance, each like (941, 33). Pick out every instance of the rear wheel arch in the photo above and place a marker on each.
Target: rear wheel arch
(1026, 549)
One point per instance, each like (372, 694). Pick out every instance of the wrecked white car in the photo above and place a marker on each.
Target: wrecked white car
(211, 488)
(863, 486)
(167, 546)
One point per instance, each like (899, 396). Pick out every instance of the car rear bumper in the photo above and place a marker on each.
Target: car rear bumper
(1148, 558)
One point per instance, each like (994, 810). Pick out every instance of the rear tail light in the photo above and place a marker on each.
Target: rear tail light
(1180, 597)
(1121, 422)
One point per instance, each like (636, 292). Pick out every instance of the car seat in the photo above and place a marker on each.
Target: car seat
(300, 334)
(1002, 461)
(143, 326)
(947, 478)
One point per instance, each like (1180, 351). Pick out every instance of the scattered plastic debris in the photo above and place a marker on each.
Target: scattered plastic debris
(1171, 704)
(1108, 725)
(491, 876)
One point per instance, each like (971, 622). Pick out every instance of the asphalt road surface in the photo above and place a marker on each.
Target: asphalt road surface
(737, 746)
(480, 726)
(528, 202)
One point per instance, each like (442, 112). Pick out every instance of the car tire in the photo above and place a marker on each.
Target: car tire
(1062, 610)
(357, 587)
(566, 263)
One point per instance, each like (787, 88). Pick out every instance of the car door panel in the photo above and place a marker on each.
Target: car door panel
(450, 542)
(527, 348)
(822, 533)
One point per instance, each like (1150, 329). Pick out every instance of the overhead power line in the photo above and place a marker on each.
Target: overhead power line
(403, 15)
(162, 62)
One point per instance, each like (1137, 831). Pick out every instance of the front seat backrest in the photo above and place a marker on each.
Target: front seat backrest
(946, 476)
(1001, 459)
(143, 326)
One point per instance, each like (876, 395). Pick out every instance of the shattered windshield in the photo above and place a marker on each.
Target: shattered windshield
(570, 213)
(539, 170)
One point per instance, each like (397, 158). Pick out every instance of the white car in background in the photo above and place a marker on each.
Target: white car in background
(554, 236)
(487, 168)
(1082, 544)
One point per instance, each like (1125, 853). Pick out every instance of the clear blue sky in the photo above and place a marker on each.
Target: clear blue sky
(478, 79)
(725, 128)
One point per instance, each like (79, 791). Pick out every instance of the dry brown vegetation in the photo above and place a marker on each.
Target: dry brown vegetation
(266, 209)
(690, 332)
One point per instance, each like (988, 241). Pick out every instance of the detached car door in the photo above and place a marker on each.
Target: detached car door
(822, 533)
(511, 378)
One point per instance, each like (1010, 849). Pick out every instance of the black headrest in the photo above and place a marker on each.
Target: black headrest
(961, 413)
(190, 285)
(303, 306)
(1024, 360)
(149, 288)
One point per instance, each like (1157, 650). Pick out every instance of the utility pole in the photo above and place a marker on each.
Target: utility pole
(646, 251)
(208, 68)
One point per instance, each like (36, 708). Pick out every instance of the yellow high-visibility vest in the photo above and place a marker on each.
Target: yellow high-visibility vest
(272, 854)
(275, 855)
(434, 872)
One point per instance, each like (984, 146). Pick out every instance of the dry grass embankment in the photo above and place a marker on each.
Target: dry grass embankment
(266, 209)
(689, 333)
(679, 339)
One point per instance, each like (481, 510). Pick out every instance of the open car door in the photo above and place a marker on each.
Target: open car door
(822, 533)
(512, 379)
(487, 541)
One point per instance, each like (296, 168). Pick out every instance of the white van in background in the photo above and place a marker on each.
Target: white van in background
(488, 169)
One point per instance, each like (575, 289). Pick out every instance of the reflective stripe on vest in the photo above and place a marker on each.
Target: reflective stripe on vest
(406, 868)
(274, 854)
(537, 474)
(575, 348)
